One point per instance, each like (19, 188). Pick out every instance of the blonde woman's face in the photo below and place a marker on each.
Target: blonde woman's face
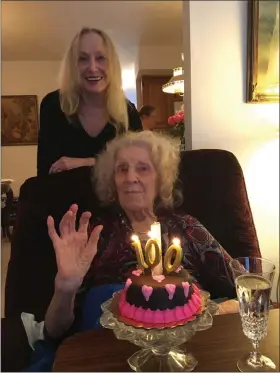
(135, 179)
(92, 63)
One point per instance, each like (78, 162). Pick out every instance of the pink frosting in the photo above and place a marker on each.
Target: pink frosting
(138, 314)
(178, 269)
(187, 311)
(186, 287)
(147, 316)
(159, 278)
(158, 317)
(128, 283)
(196, 289)
(193, 307)
(170, 288)
(125, 309)
(168, 316)
(122, 299)
(196, 300)
(179, 313)
(130, 311)
(137, 272)
(147, 292)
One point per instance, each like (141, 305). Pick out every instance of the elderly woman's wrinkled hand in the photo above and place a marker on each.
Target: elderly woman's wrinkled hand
(229, 306)
(74, 250)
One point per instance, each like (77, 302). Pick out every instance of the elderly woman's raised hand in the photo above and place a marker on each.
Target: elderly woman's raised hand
(74, 250)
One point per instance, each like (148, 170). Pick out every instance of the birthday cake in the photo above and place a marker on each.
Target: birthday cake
(160, 293)
(160, 300)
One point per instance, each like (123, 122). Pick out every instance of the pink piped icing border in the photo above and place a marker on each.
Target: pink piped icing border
(148, 316)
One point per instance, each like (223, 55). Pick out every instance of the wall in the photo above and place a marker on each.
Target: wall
(221, 119)
(160, 57)
(25, 78)
(129, 82)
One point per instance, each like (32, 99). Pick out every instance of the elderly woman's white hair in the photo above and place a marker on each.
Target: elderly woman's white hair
(165, 156)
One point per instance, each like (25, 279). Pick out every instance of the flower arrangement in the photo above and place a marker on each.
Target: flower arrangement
(176, 122)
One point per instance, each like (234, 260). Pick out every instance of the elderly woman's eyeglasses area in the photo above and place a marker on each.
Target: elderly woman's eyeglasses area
(135, 178)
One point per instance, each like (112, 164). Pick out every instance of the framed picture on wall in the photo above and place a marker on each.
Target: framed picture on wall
(19, 120)
(263, 51)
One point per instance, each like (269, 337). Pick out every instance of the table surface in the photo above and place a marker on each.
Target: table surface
(216, 349)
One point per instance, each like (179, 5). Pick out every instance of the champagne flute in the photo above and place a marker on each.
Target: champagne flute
(253, 280)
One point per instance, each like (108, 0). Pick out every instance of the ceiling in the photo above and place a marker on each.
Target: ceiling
(42, 30)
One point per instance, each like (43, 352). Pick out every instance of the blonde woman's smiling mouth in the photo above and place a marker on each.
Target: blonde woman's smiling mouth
(94, 78)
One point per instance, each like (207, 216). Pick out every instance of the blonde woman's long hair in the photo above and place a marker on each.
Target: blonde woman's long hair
(69, 80)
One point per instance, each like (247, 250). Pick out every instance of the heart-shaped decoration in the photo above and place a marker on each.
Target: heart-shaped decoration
(128, 283)
(179, 269)
(170, 288)
(147, 292)
(137, 272)
(159, 278)
(186, 287)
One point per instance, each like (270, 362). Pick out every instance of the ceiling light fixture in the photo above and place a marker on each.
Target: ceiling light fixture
(176, 83)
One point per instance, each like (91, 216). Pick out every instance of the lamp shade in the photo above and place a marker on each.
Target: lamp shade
(176, 83)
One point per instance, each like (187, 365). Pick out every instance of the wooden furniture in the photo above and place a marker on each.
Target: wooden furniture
(152, 94)
(216, 349)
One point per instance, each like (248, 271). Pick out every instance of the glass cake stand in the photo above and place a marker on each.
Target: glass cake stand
(160, 350)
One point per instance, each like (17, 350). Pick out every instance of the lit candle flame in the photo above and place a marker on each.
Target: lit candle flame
(135, 238)
(176, 241)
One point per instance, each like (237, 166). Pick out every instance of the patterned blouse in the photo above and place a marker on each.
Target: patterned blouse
(203, 256)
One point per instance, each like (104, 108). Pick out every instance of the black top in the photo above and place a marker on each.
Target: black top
(59, 138)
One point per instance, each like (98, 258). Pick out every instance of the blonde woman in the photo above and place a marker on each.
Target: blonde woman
(88, 110)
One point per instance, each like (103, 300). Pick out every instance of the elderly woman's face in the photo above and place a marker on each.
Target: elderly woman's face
(135, 179)
(92, 63)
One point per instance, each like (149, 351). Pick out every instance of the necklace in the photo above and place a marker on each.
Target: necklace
(129, 227)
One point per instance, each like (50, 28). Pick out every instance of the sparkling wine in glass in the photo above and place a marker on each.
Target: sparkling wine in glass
(253, 280)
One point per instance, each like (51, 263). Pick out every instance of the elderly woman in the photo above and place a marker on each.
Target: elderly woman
(137, 174)
(88, 110)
